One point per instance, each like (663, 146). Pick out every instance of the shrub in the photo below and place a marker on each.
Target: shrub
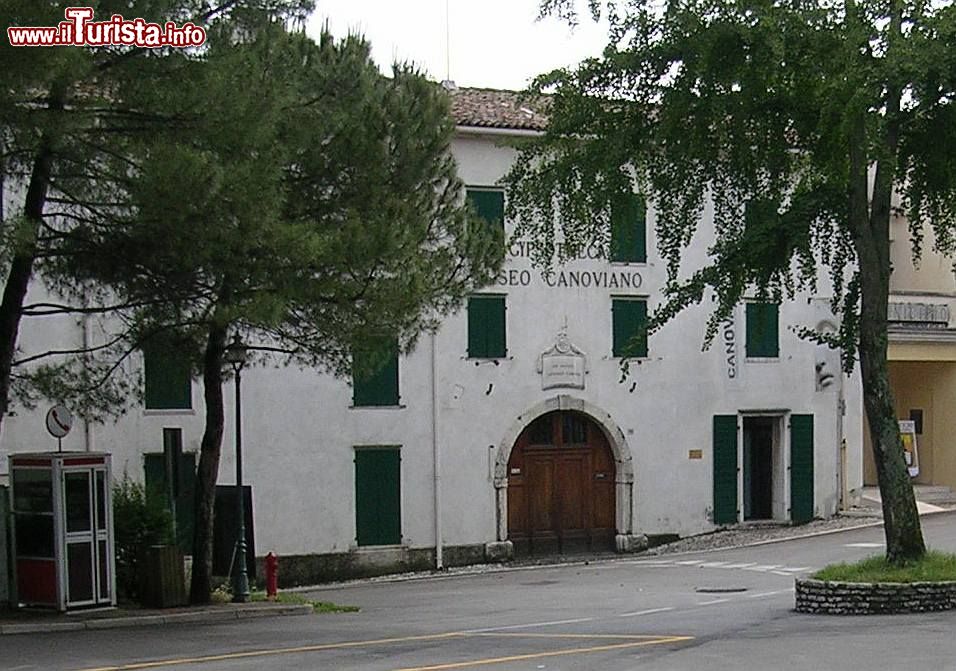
(140, 519)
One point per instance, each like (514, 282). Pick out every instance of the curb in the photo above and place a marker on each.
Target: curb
(835, 597)
(498, 568)
(486, 569)
(200, 617)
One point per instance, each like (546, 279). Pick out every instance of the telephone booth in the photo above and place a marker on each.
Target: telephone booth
(62, 530)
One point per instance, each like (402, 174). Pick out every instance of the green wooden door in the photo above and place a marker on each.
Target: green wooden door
(725, 469)
(801, 468)
(378, 519)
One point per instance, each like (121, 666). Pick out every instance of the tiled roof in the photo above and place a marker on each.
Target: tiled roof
(490, 108)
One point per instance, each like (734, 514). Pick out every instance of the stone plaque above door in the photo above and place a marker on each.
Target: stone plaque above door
(562, 365)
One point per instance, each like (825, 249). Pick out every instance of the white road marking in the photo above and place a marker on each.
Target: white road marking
(646, 612)
(529, 625)
(713, 564)
(741, 565)
(783, 573)
(710, 603)
(864, 545)
(760, 595)
(763, 569)
(691, 562)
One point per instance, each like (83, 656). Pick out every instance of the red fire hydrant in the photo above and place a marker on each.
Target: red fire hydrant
(272, 575)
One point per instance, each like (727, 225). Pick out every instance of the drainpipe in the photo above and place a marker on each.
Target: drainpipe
(87, 425)
(436, 456)
(841, 445)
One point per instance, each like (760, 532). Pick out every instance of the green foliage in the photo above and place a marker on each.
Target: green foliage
(295, 194)
(799, 128)
(932, 567)
(68, 117)
(772, 111)
(140, 519)
(277, 188)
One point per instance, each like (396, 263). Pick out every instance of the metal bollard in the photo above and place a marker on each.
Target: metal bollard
(272, 575)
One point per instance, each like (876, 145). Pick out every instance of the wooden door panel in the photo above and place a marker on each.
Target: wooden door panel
(573, 475)
(517, 508)
(561, 497)
(541, 494)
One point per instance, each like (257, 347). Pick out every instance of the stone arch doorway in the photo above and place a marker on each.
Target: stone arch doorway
(561, 487)
(626, 539)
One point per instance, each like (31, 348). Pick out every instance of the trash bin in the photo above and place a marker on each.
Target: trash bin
(163, 577)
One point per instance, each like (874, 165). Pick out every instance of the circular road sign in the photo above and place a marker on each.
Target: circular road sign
(59, 420)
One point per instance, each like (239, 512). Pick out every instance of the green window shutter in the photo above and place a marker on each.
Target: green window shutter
(155, 471)
(629, 230)
(629, 321)
(725, 469)
(154, 466)
(486, 327)
(168, 380)
(375, 378)
(801, 468)
(763, 330)
(378, 496)
(490, 204)
(186, 503)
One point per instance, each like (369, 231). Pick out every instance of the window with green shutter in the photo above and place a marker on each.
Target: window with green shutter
(168, 379)
(489, 203)
(629, 326)
(378, 496)
(486, 327)
(375, 374)
(763, 326)
(629, 230)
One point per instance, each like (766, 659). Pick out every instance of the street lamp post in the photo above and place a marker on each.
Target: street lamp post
(235, 355)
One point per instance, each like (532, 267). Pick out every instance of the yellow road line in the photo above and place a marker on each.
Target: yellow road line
(632, 642)
(541, 655)
(623, 637)
(270, 651)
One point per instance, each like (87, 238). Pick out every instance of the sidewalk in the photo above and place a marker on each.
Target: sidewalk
(40, 621)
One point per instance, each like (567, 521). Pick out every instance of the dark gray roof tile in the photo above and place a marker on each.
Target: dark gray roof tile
(491, 108)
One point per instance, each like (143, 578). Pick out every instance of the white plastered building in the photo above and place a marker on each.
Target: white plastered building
(510, 430)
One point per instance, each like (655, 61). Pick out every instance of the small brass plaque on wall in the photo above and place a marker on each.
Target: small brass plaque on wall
(695, 454)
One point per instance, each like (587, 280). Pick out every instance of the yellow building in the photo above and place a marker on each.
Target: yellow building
(922, 356)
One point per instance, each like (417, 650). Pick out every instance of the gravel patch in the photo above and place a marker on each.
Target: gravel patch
(758, 533)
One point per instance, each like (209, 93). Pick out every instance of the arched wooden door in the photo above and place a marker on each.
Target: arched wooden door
(561, 487)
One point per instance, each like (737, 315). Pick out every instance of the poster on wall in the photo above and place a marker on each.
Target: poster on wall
(910, 452)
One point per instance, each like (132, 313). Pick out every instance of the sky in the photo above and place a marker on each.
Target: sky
(493, 43)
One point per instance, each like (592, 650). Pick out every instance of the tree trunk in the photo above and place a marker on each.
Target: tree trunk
(21, 270)
(209, 454)
(904, 537)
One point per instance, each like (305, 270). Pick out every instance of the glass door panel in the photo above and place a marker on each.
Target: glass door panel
(78, 512)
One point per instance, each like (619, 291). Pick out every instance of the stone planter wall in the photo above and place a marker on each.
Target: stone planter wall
(852, 598)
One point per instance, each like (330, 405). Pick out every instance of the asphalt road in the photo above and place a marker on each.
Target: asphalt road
(730, 609)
